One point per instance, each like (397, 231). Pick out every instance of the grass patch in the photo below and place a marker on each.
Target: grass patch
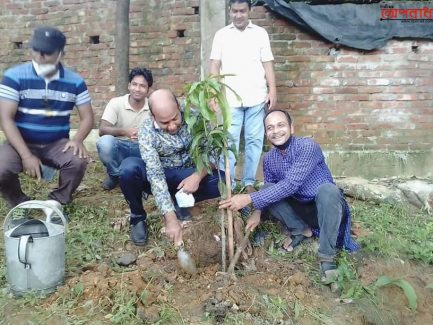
(91, 239)
(93, 242)
(395, 231)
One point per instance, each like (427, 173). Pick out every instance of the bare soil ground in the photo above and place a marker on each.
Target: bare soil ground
(269, 287)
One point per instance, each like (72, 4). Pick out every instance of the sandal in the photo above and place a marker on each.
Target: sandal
(296, 240)
(329, 274)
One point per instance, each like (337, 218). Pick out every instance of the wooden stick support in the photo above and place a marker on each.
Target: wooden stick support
(229, 212)
(223, 240)
(238, 253)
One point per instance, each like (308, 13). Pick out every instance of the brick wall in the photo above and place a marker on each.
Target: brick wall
(352, 99)
(347, 99)
(164, 36)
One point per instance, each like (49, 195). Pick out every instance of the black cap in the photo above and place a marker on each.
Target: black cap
(48, 40)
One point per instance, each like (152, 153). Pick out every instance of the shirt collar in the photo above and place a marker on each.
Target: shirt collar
(285, 147)
(129, 107)
(59, 74)
(250, 25)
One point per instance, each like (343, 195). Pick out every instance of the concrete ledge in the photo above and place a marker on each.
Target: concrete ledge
(378, 164)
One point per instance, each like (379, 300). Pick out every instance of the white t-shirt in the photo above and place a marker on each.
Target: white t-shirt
(242, 53)
(120, 113)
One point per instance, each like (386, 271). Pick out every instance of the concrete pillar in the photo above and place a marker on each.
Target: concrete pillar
(213, 15)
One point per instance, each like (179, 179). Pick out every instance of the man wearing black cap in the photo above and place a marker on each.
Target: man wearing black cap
(36, 100)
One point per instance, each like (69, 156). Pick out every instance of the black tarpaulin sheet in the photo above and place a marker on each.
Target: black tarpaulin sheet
(361, 26)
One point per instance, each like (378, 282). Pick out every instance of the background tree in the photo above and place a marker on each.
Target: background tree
(122, 46)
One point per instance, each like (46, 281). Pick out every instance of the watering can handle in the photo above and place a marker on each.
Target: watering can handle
(22, 249)
(34, 204)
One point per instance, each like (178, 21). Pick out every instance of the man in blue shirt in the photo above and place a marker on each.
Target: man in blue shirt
(300, 192)
(36, 100)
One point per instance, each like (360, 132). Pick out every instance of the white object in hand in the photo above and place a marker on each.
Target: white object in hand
(184, 200)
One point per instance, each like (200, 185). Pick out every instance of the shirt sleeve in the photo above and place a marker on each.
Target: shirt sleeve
(267, 173)
(306, 159)
(83, 96)
(265, 50)
(9, 88)
(216, 52)
(110, 112)
(155, 171)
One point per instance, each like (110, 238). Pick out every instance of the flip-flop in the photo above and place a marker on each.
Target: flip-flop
(296, 241)
(329, 274)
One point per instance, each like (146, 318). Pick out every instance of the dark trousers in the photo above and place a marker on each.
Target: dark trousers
(133, 182)
(325, 213)
(72, 169)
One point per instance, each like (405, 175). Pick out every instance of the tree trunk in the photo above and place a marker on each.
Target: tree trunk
(122, 46)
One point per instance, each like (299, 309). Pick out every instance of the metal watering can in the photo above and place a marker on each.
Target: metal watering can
(35, 249)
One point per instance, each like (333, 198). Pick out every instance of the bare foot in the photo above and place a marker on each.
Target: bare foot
(287, 244)
(250, 189)
(307, 232)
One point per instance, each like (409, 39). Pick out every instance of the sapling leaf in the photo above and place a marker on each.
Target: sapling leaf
(382, 281)
(191, 88)
(234, 92)
(407, 288)
(214, 84)
(204, 110)
(409, 292)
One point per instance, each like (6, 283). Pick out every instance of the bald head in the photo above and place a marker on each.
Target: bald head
(165, 111)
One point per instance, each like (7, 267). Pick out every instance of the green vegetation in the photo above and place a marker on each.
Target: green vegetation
(395, 232)
(391, 233)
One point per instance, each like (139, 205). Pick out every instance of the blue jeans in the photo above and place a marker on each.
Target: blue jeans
(325, 213)
(112, 151)
(133, 182)
(252, 119)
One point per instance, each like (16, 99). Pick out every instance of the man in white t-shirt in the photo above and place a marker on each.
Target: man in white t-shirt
(119, 125)
(243, 49)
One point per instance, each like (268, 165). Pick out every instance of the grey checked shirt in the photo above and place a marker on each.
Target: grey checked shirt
(161, 150)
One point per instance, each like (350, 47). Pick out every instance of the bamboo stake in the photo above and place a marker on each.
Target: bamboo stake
(239, 250)
(229, 212)
(223, 240)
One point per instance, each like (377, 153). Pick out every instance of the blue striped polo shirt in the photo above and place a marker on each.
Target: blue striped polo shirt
(44, 109)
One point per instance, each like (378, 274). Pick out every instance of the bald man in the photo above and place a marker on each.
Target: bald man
(165, 168)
